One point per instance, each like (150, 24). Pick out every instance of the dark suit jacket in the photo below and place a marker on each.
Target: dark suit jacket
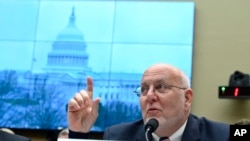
(4, 136)
(197, 129)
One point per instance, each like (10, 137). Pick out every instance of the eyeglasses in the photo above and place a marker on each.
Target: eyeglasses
(160, 89)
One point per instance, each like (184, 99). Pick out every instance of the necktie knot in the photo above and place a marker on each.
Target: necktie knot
(164, 139)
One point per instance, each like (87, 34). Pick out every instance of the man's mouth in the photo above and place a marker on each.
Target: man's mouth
(153, 111)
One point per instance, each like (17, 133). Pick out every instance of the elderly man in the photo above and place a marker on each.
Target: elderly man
(166, 95)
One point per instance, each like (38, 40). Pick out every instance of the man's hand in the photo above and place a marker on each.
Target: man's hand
(82, 110)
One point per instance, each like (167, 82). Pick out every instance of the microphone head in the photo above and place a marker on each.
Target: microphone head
(152, 125)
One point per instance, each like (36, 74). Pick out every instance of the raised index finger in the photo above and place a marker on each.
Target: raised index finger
(90, 87)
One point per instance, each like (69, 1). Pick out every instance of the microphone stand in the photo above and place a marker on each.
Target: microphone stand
(150, 127)
(148, 135)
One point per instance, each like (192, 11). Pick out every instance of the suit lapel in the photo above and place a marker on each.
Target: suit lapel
(191, 132)
(141, 134)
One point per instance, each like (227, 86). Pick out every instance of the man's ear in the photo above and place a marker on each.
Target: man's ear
(188, 98)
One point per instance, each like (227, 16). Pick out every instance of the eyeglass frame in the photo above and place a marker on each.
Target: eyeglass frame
(139, 93)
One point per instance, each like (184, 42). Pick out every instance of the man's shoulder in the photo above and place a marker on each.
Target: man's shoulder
(125, 131)
(208, 123)
(202, 127)
(133, 124)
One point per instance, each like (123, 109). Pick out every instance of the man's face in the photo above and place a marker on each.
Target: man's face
(169, 107)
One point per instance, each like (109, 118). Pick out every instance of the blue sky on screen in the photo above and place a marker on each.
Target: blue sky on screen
(18, 20)
(130, 35)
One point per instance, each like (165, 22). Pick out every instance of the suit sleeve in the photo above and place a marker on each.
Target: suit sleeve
(78, 135)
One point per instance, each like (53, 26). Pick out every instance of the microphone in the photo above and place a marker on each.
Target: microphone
(150, 127)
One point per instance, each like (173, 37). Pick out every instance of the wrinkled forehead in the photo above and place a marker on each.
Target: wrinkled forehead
(160, 73)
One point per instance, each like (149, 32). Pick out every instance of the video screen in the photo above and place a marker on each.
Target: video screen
(49, 48)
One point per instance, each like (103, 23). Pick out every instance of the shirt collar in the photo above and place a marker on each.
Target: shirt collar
(176, 136)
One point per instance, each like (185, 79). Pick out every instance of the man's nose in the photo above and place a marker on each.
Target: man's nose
(151, 91)
(151, 95)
